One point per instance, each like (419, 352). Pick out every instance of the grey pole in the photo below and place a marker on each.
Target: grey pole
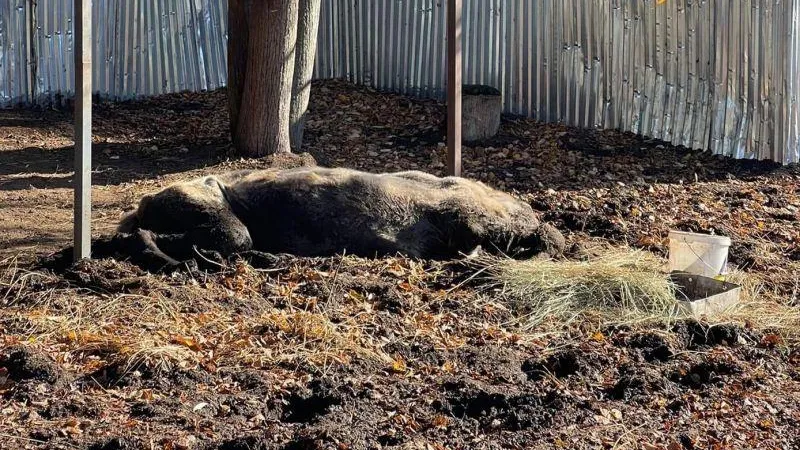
(83, 129)
(454, 87)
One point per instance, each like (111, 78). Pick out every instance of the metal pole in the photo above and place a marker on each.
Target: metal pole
(83, 129)
(454, 87)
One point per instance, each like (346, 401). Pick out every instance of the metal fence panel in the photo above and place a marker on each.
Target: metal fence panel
(708, 74)
(17, 67)
(141, 47)
(720, 75)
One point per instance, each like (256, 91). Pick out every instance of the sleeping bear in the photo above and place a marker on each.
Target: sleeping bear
(317, 211)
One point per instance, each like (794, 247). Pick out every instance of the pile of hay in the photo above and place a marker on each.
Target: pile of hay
(618, 286)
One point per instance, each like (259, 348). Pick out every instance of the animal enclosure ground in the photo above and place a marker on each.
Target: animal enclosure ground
(354, 353)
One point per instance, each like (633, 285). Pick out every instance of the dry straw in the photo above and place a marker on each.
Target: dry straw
(619, 286)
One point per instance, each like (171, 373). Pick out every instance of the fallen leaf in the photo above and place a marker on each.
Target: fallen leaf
(440, 421)
(199, 406)
(771, 340)
(187, 342)
(405, 286)
(398, 366)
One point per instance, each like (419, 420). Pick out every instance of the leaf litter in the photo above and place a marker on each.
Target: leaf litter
(345, 352)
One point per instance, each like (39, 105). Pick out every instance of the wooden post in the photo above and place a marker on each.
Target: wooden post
(454, 87)
(82, 21)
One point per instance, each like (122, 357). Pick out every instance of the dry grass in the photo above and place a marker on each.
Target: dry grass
(296, 315)
(304, 313)
(762, 308)
(621, 286)
(244, 317)
(617, 287)
(162, 324)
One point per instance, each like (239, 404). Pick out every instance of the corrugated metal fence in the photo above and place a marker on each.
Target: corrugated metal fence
(709, 74)
(141, 47)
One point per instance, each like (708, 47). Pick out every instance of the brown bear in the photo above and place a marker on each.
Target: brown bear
(317, 211)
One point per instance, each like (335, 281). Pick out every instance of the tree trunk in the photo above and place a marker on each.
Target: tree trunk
(261, 46)
(238, 11)
(307, 30)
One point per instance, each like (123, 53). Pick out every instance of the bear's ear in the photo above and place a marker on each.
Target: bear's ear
(144, 201)
(129, 222)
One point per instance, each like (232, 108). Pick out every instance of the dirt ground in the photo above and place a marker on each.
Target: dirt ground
(350, 353)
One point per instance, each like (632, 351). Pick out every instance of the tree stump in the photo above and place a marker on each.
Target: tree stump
(481, 107)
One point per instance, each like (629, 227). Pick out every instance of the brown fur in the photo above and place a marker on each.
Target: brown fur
(315, 211)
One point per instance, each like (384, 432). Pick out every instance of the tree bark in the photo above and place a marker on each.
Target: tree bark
(307, 30)
(261, 49)
(238, 11)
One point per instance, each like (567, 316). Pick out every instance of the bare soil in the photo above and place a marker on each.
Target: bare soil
(352, 353)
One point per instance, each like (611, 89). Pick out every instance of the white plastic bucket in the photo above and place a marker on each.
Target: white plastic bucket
(699, 254)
